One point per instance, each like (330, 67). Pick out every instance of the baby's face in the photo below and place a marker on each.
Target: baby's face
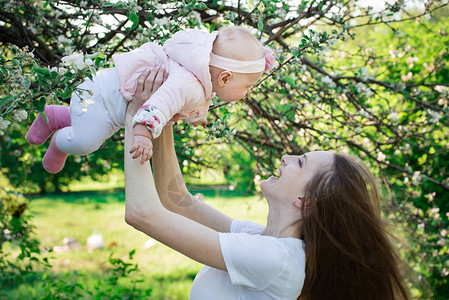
(238, 86)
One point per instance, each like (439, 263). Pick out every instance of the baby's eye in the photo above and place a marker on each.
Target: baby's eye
(300, 162)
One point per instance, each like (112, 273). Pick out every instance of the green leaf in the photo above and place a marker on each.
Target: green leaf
(99, 55)
(3, 71)
(201, 6)
(43, 71)
(131, 253)
(422, 160)
(260, 24)
(26, 82)
(290, 81)
(295, 52)
(40, 105)
(5, 100)
(134, 18)
(67, 92)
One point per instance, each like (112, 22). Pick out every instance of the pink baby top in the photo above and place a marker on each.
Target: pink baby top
(188, 88)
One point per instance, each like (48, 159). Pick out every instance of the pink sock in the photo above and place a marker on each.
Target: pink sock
(54, 159)
(40, 130)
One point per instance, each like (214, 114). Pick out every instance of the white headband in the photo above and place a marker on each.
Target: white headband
(238, 66)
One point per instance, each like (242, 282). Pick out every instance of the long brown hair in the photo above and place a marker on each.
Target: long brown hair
(348, 252)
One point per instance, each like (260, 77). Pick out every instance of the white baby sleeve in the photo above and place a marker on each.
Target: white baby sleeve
(168, 100)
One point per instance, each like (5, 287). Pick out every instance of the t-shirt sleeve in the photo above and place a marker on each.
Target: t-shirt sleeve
(253, 260)
(243, 226)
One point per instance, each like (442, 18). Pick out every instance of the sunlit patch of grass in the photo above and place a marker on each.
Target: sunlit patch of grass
(79, 214)
(113, 180)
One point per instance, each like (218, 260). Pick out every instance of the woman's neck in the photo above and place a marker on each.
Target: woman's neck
(283, 223)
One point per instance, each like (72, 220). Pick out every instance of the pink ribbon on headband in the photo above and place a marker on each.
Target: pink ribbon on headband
(262, 64)
(270, 61)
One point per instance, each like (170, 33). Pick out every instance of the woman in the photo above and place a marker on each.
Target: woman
(320, 199)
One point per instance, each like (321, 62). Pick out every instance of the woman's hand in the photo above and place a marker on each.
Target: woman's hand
(148, 83)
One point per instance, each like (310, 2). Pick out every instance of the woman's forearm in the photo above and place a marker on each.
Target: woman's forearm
(168, 178)
(173, 191)
(141, 199)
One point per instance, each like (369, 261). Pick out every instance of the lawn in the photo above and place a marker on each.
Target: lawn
(165, 272)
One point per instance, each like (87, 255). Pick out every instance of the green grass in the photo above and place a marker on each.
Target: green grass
(78, 214)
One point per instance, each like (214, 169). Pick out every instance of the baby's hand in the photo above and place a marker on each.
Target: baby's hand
(142, 146)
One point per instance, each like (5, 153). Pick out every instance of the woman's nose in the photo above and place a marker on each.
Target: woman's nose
(284, 159)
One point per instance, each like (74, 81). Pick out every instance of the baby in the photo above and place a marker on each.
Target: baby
(199, 65)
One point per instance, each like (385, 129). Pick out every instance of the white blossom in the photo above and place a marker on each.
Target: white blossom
(394, 116)
(162, 21)
(332, 42)
(62, 39)
(421, 227)
(364, 73)
(366, 142)
(440, 88)
(381, 156)
(416, 178)
(316, 38)
(89, 62)
(303, 68)
(4, 123)
(368, 92)
(434, 117)
(86, 103)
(60, 70)
(392, 54)
(20, 115)
(361, 88)
(327, 80)
(76, 59)
(196, 15)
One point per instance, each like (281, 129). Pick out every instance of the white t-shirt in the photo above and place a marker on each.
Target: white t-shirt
(259, 267)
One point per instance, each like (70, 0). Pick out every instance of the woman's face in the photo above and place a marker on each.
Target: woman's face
(294, 173)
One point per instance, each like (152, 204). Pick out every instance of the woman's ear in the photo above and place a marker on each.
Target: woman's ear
(224, 77)
(300, 203)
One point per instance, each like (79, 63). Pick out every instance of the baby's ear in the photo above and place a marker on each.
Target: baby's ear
(224, 77)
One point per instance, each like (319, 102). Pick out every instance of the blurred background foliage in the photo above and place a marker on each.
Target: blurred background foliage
(368, 81)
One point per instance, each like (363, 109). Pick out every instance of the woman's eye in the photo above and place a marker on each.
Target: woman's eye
(300, 162)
